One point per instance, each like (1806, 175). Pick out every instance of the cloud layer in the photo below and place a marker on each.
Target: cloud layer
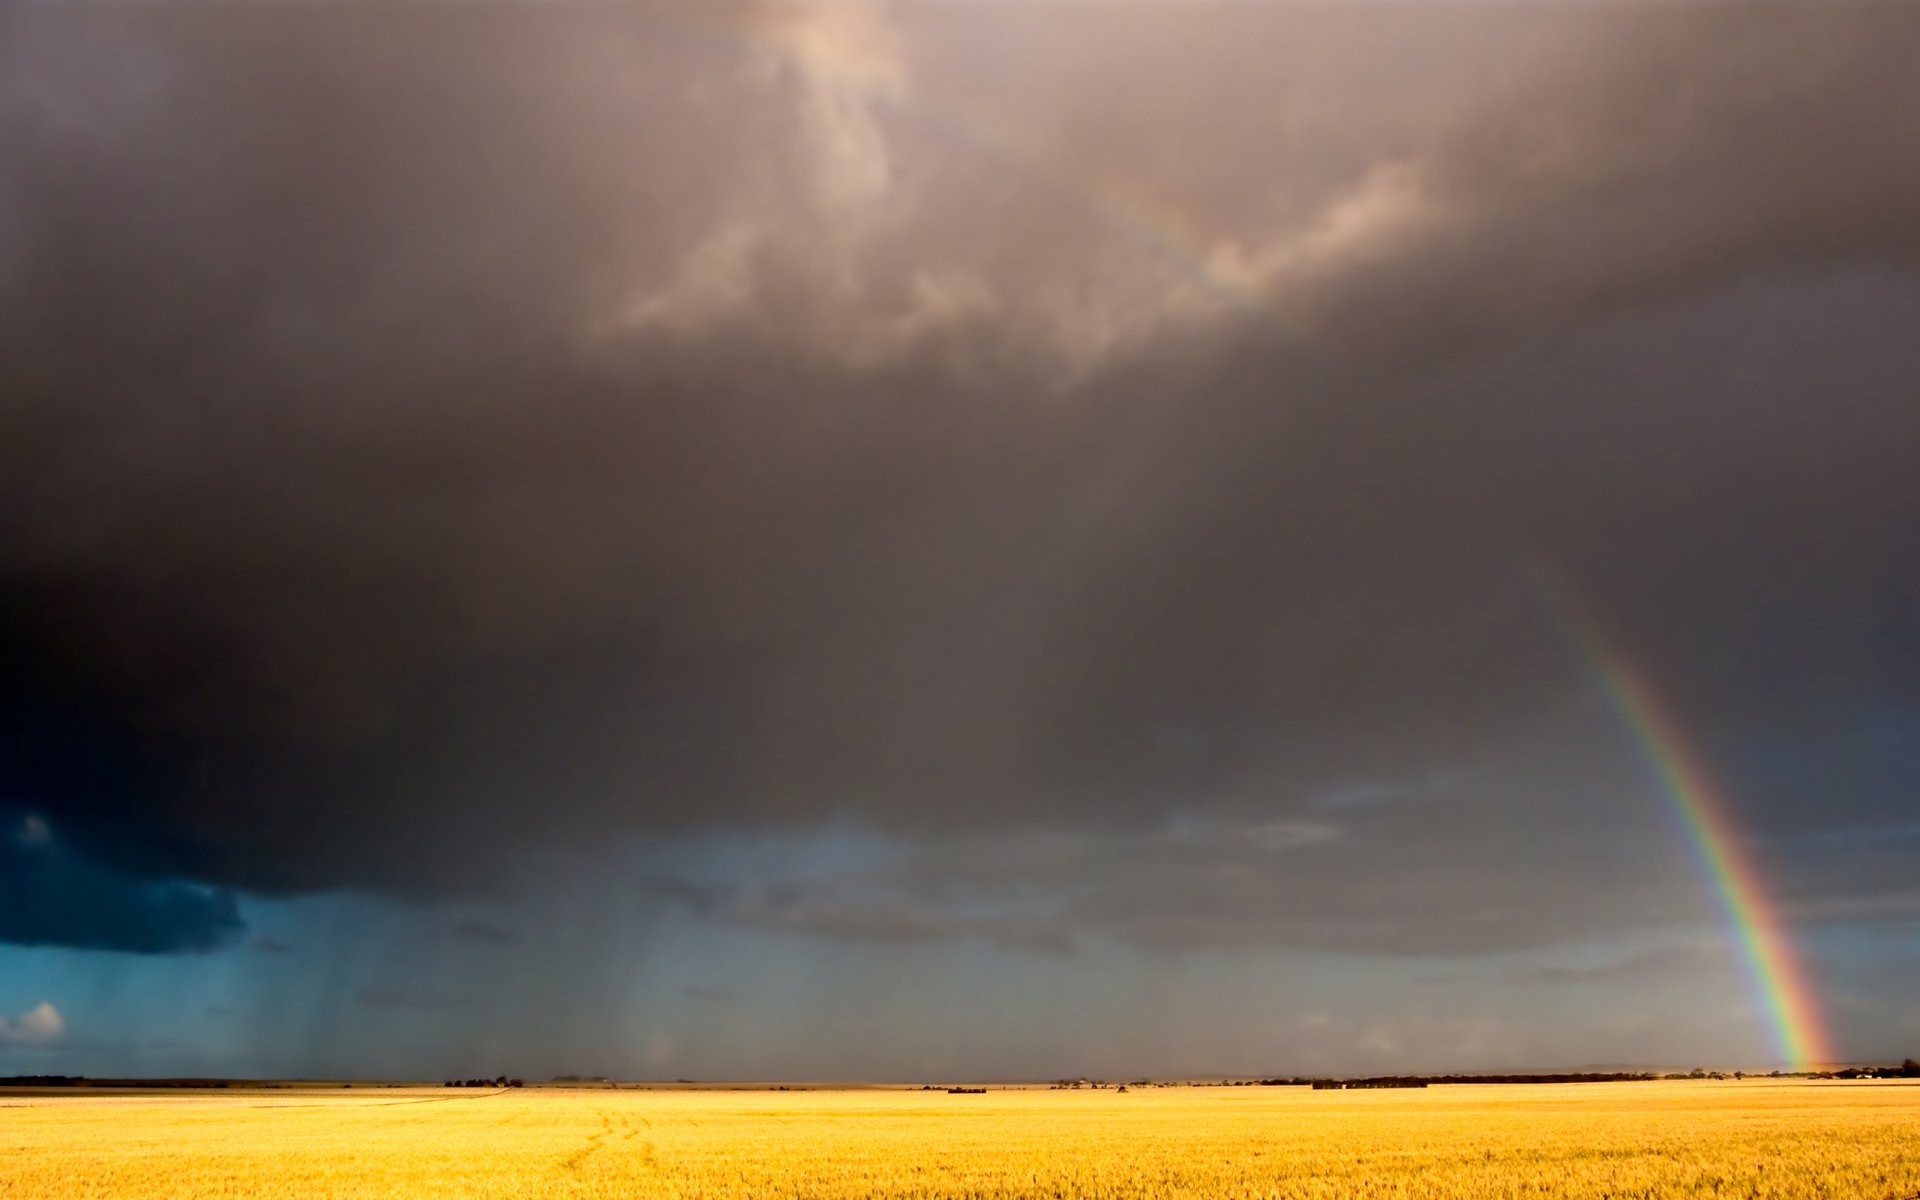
(435, 441)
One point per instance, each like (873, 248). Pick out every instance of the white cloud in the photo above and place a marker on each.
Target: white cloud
(41, 1025)
(34, 831)
(848, 60)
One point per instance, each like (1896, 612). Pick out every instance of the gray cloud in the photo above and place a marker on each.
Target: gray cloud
(551, 427)
(1475, 872)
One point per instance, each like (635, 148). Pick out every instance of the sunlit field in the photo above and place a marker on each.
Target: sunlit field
(1758, 1138)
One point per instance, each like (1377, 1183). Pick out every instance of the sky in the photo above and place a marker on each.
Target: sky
(791, 539)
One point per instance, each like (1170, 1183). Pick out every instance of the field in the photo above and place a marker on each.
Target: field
(1725, 1139)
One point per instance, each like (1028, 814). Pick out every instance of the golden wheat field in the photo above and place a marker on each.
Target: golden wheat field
(1723, 1139)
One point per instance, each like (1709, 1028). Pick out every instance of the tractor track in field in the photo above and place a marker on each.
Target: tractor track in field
(595, 1142)
(642, 1150)
(612, 1136)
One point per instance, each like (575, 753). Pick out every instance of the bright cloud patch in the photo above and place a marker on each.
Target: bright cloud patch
(41, 1025)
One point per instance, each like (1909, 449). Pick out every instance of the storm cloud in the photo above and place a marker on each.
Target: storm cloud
(1071, 448)
(49, 896)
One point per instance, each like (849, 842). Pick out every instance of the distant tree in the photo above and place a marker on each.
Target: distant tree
(1910, 1069)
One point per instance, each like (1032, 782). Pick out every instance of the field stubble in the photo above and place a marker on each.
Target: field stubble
(1723, 1139)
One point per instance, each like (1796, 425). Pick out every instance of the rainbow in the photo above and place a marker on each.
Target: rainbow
(1779, 978)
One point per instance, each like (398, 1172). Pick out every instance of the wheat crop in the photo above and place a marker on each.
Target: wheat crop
(1784, 1139)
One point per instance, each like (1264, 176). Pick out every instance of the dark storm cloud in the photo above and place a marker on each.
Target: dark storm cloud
(379, 996)
(1665, 962)
(50, 897)
(433, 438)
(409, 999)
(485, 932)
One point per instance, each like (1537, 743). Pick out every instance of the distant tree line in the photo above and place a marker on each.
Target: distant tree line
(1909, 1069)
(82, 1081)
(1906, 1070)
(1409, 1081)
